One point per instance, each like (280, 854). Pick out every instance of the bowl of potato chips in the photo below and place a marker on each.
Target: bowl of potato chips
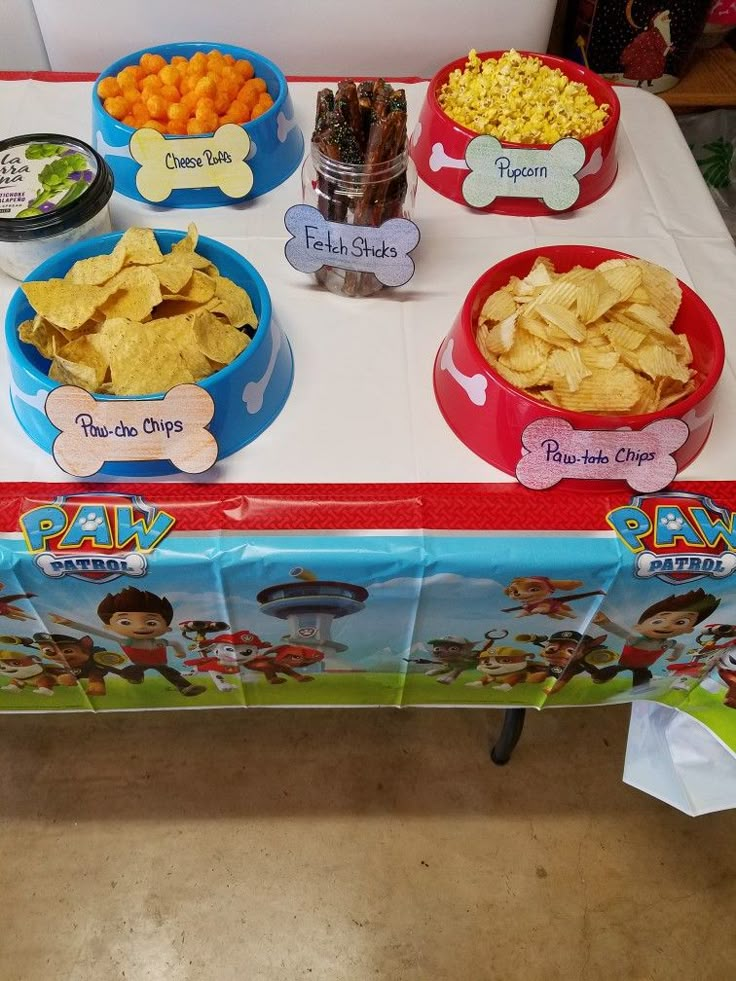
(134, 315)
(595, 337)
(526, 101)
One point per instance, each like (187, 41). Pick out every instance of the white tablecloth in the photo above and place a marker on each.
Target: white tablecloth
(362, 407)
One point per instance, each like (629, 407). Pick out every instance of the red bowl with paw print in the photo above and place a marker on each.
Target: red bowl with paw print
(438, 144)
(494, 419)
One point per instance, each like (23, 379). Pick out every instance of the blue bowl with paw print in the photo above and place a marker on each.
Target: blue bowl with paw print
(247, 394)
(276, 141)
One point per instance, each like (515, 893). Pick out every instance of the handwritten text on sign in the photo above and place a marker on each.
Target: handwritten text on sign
(93, 432)
(168, 165)
(498, 171)
(383, 251)
(554, 451)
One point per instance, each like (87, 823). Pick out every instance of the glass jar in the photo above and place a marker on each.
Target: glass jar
(357, 194)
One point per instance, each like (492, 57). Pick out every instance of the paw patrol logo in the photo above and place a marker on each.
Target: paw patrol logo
(95, 537)
(677, 537)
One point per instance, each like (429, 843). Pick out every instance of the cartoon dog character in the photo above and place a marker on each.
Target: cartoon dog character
(284, 659)
(224, 655)
(27, 671)
(568, 653)
(77, 657)
(717, 649)
(450, 657)
(503, 667)
(536, 596)
(10, 610)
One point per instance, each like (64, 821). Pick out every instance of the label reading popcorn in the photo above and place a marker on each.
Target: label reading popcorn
(497, 171)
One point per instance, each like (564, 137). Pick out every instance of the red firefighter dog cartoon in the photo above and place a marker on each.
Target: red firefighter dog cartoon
(536, 596)
(717, 648)
(222, 656)
(283, 659)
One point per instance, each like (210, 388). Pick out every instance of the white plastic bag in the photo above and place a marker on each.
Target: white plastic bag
(712, 138)
(673, 757)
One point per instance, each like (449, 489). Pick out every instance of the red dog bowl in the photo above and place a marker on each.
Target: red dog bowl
(489, 415)
(438, 144)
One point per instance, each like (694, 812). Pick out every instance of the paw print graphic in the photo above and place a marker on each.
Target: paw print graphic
(91, 523)
(672, 522)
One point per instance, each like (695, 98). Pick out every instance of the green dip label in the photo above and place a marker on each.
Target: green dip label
(39, 178)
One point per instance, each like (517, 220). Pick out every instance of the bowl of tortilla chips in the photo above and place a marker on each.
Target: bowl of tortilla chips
(131, 316)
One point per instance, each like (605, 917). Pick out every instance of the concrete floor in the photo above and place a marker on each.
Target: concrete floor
(349, 845)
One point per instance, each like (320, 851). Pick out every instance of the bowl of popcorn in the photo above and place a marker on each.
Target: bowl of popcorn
(195, 125)
(145, 353)
(584, 340)
(517, 133)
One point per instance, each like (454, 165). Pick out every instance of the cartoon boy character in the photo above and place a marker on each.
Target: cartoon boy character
(76, 656)
(536, 596)
(139, 622)
(652, 636)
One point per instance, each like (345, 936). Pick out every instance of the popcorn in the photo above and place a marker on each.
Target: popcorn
(520, 100)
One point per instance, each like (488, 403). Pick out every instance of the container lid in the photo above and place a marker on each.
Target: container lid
(49, 184)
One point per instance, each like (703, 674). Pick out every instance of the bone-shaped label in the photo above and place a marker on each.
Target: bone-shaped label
(498, 171)
(474, 385)
(174, 163)
(383, 251)
(554, 450)
(92, 432)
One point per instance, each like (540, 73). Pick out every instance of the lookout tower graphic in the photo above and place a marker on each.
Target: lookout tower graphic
(309, 605)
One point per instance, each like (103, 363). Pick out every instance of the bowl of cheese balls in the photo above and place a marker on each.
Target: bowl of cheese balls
(517, 133)
(195, 125)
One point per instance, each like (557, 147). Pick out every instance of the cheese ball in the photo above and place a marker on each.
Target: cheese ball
(186, 95)
(519, 99)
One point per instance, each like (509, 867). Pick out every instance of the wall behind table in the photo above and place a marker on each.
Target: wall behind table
(318, 37)
(21, 44)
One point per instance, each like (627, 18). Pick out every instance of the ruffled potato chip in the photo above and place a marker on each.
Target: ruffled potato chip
(590, 340)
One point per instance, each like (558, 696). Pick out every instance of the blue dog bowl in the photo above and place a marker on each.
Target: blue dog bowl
(277, 143)
(239, 417)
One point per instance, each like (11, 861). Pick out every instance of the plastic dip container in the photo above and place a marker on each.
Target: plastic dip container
(54, 191)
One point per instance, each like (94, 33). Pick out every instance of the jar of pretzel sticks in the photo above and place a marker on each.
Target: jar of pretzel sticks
(358, 174)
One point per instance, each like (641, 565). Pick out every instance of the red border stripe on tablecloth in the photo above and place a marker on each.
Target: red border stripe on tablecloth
(326, 507)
